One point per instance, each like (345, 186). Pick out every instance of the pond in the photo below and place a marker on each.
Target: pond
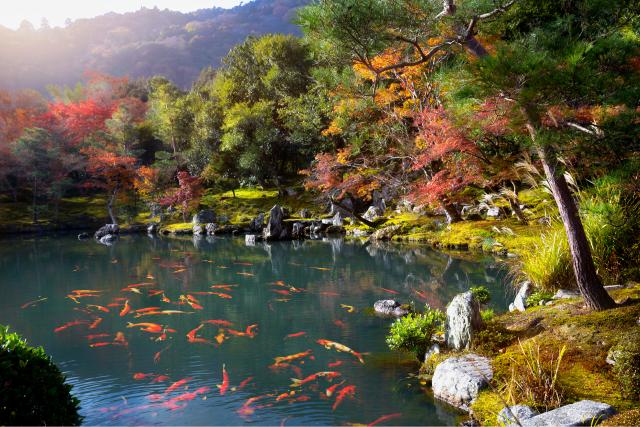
(80, 301)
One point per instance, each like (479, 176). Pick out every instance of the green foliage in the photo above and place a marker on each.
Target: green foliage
(33, 391)
(537, 296)
(492, 338)
(481, 294)
(627, 367)
(487, 314)
(414, 331)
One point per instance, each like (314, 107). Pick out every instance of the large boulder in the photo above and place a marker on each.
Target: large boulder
(198, 230)
(211, 228)
(582, 413)
(276, 228)
(463, 320)
(257, 223)
(337, 220)
(385, 233)
(204, 216)
(520, 301)
(458, 380)
(515, 414)
(107, 229)
(372, 213)
(152, 228)
(389, 307)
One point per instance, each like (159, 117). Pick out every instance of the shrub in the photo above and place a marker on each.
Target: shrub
(535, 298)
(32, 388)
(487, 314)
(414, 331)
(627, 367)
(481, 294)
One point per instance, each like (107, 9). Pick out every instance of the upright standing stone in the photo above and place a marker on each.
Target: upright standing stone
(463, 320)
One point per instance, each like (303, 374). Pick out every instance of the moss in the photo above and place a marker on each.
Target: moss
(492, 338)
(430, 363)
(178, 227)
(487, 406)
(580, 382)
(626, 418)
(627, 367)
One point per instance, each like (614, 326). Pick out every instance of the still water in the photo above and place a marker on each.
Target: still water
(295, 292)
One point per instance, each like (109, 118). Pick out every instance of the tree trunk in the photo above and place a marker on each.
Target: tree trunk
(233, 191)
(450, 212)
(515, 207)
(34, 199)
(355, 215)
(589, 284)
(110, 204)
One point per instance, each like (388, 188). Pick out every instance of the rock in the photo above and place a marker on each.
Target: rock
(520, 301)
(250, 239)
(372, 213)
(337, 220)
(389, 307)
(458, 380)
(257, 223)
(582, 413)
(347, 203)
(297, 231)
(83, 236)
(304, 213)
(198, 230)
(107, 229)
(563, 293)
(512, 307)
(152, 228)
(204, 217)
(385, 233)
(613, 287)
(223, 219)
(211, 228)
(494, 212)
(276, 228)
(359, 232)
(514, 414)
(434, 349)
(463, 320)
(108, 239)
(335, 229)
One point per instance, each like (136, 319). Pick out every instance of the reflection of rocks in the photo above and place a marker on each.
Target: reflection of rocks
(389, 307)
(198, 230)
(107, 229)
(337, 220)
(83, 236)
(297, 231)
(108, 239)
(152, 228)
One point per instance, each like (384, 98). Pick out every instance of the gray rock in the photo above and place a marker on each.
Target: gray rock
(359, 232)
(512, 307)
(297, 231)
(108, 239)
(276, 228)
(458, 380)
(463, 320)
(198, 230)
(385, 233)
(389, 307)
(204, 217)
(494, 212)
(520, 301)
(514, 414)
(563, 293)
(582, 413)
(257, 223)
(211, 228)
(223, 219)
(337, 220)
(83, 236)
(434, 349)
(250, 239)
(304, 213)
(347, 203)
(372, 213)
(152, 228)
(106, 229)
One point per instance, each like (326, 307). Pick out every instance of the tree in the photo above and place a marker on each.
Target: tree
(187, 195)
(170, 113)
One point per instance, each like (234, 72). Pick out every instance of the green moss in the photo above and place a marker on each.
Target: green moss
(486, 407)
(181, 226)
(625, 418)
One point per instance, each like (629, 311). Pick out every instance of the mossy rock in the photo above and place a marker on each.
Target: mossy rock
(486, 407)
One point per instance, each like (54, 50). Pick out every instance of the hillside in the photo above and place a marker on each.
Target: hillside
(138, 44)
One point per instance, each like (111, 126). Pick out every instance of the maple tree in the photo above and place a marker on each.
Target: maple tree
(186, 196)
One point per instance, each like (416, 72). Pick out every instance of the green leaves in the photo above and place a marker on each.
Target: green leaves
(413, 332)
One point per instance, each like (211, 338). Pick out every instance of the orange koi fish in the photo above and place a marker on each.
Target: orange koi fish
(73, 298)
(384, 418)
(284, 359)
(70, 324)
(249, 330)
(340, 347)
(281, 291)
(165, 312)
(190, 396)
(156, 357)
(154, 292)
(390, 291)
(225, 381)
(242, 273)
(95, 323)
(284, 395)
(98, 307)
(329, 391)
(339, 323)
(222, 295)
(86, 291)
(349, 390)
(34, 302)
(295, 335)
(335, 364)
(349, 308)
(218, 322)
(126, 309)
(279, 283)
(153, 328)
(326, 374)
(159, 379)
(223, 286)
(191, 335)
(242, 263)
(120, 339)
(95, 336)
(220, 337)
(165, 299)
(177, 385)
(247, 408)
(99, 344)
(141, 376)
(244, 383)
(321, 268)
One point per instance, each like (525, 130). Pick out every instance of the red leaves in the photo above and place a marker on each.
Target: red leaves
(186, 195)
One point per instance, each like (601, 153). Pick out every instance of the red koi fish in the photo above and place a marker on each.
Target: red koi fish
(340, 348)
(147, 309)
(247, 409)
(191, 335)
(284, 395)
(295, 335)
(384, 418)
(99, 344)
(335, 364)
(218, 322)
(126, 309)
(153, 328)
(349, 390)
(224, 287)
(329, 391)
(244, 383)
(70, 324)
(141, 376)
(339, 323)
(156, 357)
(159, 379)
(285, 359)
(330, 375)
(34, 302)
(96, 336)
(177, 385)
(95, 323)
(154, 292)
(98, 307)
(225, 381)
(390, 291)
(165, 299)
(281, 291)
(190, 396)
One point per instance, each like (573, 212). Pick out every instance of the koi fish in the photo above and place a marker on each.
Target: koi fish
(242, 263)
(244, 383)
(296, 370)
(340, 347)
(390, 291)
(302, 398)
(321, 268)
(384, 418)
(218, 322)
(349, 390)
(150, 277)
(95, 336)
(154, 292)
(156, 357)
(284, 395)
(99, 307)
(166, 312)
(282, 359)
(339, 323)
(349, 308)
(329, 391)
(295, 335)
(138, 285)
(242, 273)
(326, 374)
(153, 328)
(95, 323)
(147, 309)
(126, 309)
(329, 294)
(190, 396)
(73, 298)
(141, 376)
(133, 289)
(165, 299)
(335, 364)
(177, 385)
(120, 339)
(225, 381)
(191, 335)
(99, 344)
(222, 286)
(279, 283)
(30, 303)
(70, 324)
(222, 295)
(220, 337)
(281, 291)
(86, 291)
(159, 379)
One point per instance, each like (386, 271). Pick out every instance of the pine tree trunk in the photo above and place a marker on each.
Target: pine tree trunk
(589, 284)
(450, 212)
(515, 207)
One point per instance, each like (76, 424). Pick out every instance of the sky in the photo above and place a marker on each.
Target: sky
(13, 12)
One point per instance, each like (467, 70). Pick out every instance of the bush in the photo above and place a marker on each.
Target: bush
(414, 331)
(627, 367)
(535, 298)
(481, 294)
(487, 314)
(33, 391)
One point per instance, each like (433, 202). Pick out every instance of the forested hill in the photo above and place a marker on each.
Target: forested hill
(138, 44)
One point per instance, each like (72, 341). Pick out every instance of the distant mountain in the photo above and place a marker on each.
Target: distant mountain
(137, 44)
